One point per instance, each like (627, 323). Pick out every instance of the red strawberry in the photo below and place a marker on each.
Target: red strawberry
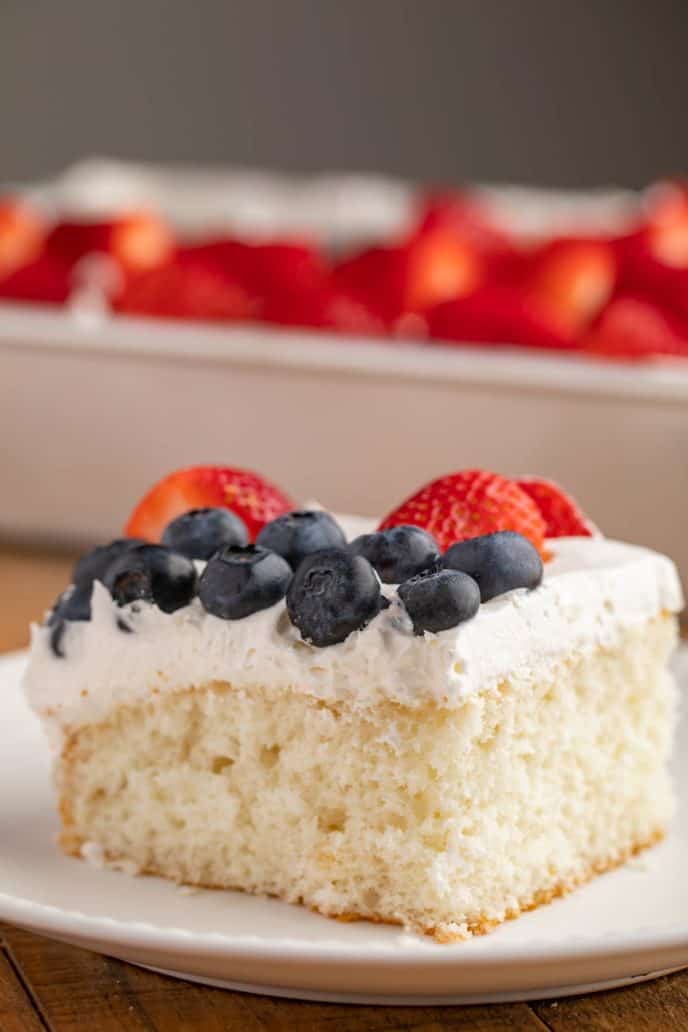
(573, 279)
(464, 216)
(496, 315)
(22, 234)
(137, 241)
(632, 327)
(325, 308)
(667, 223)
(467, 504)
(411, 277)
(560, 512)
(177, 291)
(44, 280)
(263, 268)
(250, 496)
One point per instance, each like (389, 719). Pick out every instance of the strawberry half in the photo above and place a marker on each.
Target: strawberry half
(573, 279)
(137, 240)
(501, 315)
(252, 497)
(470, 503)
(634, 328)
(22, 233)
(324, 308)
(44, 280)
(562, 515)
(185, 291)
(412, 276)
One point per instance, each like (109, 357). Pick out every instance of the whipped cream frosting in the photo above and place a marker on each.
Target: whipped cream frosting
(593, 589)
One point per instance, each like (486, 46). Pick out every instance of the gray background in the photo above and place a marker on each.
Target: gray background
(567, 93)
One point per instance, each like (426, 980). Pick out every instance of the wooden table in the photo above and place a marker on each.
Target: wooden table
(45, 985)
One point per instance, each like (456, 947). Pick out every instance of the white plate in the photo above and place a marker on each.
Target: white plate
(626, 926)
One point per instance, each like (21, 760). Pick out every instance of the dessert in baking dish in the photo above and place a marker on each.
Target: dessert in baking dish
(600, 274)
(441, 722)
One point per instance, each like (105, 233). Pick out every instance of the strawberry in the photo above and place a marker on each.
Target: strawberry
(667, 223)
(178, 291)
(573, 279)
(22, 234)
(263, 268)
(326, 308)
(467, 504)
(633, 327)
(495, 314)
(562, 516)
(413, 276)
(44, 280)
(464, 216)
(137, 240)
(250, 496)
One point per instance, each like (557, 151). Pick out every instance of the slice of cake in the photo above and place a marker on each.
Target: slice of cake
(427, 725)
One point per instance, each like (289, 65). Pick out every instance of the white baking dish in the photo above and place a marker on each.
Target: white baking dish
(92, 413)
(93, 410)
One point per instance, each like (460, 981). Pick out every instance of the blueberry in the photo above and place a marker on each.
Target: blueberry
(398, 552)
(332, 594)
(93, 565)
(74, 604)
(152, 573)
(240, 581)
(298, 534)
(439, 599)
(499, 562)
(200, 533)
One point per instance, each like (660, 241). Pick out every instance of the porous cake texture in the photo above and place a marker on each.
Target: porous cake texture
(445, 819)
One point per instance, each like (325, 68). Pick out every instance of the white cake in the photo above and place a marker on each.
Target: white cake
(446, 782)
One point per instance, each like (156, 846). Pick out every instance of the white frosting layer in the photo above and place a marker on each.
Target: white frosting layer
(593, 588)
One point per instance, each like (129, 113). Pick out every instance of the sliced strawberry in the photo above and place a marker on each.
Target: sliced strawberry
(470, 503)
(667, 223)
(464, 216)
(411, 277)
(325, 308)
(45, 280)
(22, 234)
(264, 268)
(634, 328)
(180, 291)
(562, 515)
(137, 240)
(252, 497)
(499, 315)
(573, 279)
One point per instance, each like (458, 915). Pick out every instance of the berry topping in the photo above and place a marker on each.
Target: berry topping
(497, 562)
(468, 504)
(573, 279)
(136, 240)
(185, 290)
(151, 573)
(398, 553)
(93, 565)
(74, 604)
(255, 500)
(439, 599)
(22, 233)
(240, 581)
(199, 533)
(298, 534)
(496, 314)
(332, 594)
(560, 512)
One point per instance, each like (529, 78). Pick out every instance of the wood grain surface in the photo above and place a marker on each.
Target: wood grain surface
(45, 985)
